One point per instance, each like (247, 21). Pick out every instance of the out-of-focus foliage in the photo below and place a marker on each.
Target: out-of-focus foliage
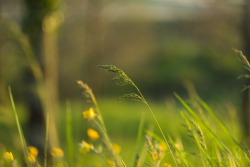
(160, 44)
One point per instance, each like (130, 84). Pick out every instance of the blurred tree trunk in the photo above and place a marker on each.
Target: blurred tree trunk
(40, 24)
(2, 91)
(1, 66)
(246, 42)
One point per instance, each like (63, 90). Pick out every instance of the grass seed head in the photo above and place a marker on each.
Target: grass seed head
(121, 78)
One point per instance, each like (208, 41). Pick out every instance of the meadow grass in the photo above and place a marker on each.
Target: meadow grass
(192, 135)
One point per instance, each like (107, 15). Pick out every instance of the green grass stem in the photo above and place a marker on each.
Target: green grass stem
(158, 125)
(197, 118)
(23, 142)
(117, 159)
(221, 124)
(69, 133)
(202, 150)
(138, 142)
(46, 141)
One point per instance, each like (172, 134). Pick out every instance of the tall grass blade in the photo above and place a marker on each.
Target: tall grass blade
(46, 141)
(197, 118)
(221, 124)
(23, 142)
(117, 158)
(138, 142)
(69, 133)
(184, 161)
(198, 142)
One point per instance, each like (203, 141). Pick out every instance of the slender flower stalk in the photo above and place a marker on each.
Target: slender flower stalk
(91, 116)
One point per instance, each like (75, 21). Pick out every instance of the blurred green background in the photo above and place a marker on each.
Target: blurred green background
(160, 44)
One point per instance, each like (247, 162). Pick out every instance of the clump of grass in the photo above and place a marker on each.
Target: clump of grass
(198, 128)
(208, 148)
(23, 142)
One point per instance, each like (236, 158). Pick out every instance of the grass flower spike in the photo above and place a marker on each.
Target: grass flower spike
(99, 123)
(121, 78)
(93, 135)
(89, 114)
(8, 156)
(57, 152)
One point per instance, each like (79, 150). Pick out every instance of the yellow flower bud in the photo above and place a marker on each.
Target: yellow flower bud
(33, 150)
(32, 158)
(89, 114)
(93, 135)
(117, 148)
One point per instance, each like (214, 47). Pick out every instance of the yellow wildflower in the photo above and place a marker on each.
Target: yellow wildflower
(162, 147)
(93, 135)
(57, 152)
(86, 146)
(32, 158)
(8, 156)
(90, 114)
(111, 163)
(117, 148)
(33, 151)
(155, 155)
(166, 165)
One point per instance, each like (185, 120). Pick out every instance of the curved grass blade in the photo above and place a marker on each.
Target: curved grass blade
(138, 143)
(46, 140)
(222, 125)
(23, 142)
(197, 118)
(198, 142)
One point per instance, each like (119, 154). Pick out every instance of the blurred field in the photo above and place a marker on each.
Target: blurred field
(164, 46)
(122, 121)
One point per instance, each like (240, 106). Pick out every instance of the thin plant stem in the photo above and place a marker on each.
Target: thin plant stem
(69, 133)
(23, 142)
(158, 125)
(118, 160)
(138, 142)
(46, 140)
